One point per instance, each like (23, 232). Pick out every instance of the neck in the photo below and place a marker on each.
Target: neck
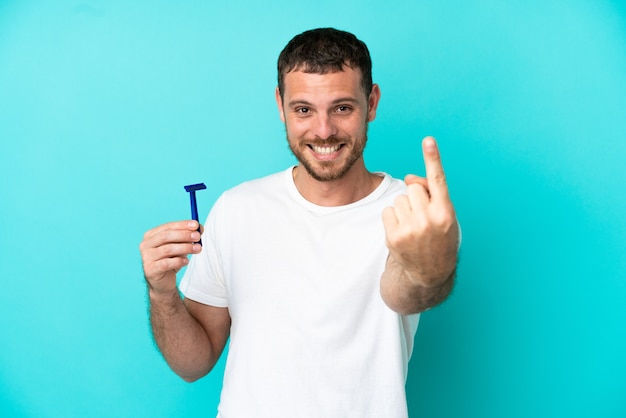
(352, 187)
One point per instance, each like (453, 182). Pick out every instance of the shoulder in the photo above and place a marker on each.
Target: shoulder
(391, 186)
(396, 185)
(248, 194)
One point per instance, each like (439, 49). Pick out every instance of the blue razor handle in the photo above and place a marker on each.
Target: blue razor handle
(191, 189)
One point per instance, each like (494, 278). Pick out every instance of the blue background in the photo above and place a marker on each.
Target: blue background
(107, 108)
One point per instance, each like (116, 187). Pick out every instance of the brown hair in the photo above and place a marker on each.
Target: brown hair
(325, 50)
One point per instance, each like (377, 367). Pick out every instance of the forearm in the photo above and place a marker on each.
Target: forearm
(403, 294)
(180, 337)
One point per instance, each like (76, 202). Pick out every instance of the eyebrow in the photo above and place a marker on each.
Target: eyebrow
(346, 99)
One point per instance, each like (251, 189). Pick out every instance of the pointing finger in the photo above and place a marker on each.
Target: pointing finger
(435, 175)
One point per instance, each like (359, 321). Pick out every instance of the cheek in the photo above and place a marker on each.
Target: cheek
(296, 128)
(357, 128)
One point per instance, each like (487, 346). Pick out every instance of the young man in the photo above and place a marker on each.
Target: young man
(317, 273)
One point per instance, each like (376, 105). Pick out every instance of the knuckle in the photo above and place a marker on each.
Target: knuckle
(167, 264)
(164, 265)
(439, 177)
(414, 187)
(393, 241)
(403, 235)
(168, 250)
(401, 201)
(444, 219)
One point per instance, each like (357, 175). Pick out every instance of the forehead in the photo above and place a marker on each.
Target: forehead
(339, 83)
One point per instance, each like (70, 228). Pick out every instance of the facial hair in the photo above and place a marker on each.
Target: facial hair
(328, 170)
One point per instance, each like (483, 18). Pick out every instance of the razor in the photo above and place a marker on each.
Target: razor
(191, 189)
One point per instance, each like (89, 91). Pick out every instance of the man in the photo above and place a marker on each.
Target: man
(319, 296)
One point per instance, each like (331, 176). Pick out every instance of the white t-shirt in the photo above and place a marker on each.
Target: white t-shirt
(311, 335)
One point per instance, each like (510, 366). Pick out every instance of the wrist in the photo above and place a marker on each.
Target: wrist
(430, 280)
(163, 295)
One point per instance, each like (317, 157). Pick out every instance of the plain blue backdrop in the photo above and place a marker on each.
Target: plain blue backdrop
(107, 108)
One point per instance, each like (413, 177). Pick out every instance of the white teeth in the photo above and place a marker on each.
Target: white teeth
(325, 150)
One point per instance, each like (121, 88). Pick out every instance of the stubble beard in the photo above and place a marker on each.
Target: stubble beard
(325, 171)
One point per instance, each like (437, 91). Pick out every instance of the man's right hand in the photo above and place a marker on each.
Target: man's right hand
(164, 252)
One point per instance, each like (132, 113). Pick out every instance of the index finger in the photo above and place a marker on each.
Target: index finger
(435, 175)
(186, 225)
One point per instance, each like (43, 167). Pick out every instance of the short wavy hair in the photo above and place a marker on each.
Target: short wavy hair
(322, 51)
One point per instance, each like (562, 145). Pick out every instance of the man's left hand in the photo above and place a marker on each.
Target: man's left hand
(421, 228)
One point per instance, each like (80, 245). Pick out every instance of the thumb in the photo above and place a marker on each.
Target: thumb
(413, 179)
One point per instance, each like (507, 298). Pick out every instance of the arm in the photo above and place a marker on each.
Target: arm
(190, 335)
(406, 296)
(422, 235)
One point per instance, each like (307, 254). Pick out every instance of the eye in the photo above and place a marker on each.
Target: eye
(343, 109)
(303, 110)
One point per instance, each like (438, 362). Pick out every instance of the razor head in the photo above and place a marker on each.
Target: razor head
(194, 187)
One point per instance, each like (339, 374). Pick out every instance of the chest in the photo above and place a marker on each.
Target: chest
(302, 264)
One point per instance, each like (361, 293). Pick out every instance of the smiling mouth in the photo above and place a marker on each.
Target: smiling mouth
(325, 150)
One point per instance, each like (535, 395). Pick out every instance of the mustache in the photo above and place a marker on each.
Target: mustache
(330, 141)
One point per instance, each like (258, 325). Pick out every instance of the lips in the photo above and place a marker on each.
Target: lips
(325, 150)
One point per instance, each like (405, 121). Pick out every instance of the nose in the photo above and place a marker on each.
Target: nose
(323, 126)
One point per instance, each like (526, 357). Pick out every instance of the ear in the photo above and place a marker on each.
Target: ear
(372, 103)
(279, 103)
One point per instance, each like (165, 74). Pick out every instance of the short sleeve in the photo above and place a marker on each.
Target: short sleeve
(203, 280)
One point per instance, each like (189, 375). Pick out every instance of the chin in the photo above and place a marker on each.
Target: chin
(326, 174)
